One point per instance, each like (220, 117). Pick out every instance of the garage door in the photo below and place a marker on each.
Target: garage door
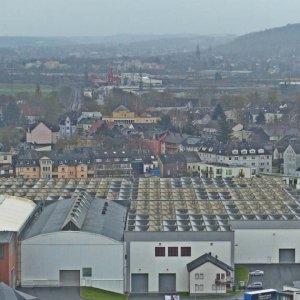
(69, 278)
(167, 283)
(139, 283)
(287, 255)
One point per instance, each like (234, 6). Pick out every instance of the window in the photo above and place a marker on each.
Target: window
(160, 251)
(185, 251)
(236, 158)
(201, 276)
(172, 251)
(86, 272)
(5, 157)
(197, 275)
(199, 287)
(2, 251)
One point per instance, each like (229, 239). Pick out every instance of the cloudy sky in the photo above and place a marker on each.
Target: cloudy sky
(111, 17)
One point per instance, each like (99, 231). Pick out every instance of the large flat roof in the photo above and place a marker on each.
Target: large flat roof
(14, 212)
(176, 204)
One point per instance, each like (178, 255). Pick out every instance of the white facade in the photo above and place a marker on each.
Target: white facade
(43, 256)
(259, 246)
(291, 161)
(143, 260)
(259, 160)
(67, 129)
(203, 279)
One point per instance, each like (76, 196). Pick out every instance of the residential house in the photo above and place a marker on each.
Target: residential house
(42, 134)
(291, 159)
(6, 164)
(68, 125)
(171, 142)
(172, 165)
(122, 115)
(209, 275)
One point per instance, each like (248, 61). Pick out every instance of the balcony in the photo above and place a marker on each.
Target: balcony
(223, 280)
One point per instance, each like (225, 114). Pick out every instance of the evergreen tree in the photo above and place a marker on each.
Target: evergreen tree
(260, 119)
(218, 113)
(224, 130)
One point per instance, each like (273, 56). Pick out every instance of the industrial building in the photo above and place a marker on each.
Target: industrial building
(191, 230)
(223, 217)
(75, 242)
(14, 214)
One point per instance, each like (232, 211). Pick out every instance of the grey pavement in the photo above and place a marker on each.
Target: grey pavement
(161, 297)
(53, 293)
(276, 276)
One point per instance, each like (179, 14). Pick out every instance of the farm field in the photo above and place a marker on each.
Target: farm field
(18, 88)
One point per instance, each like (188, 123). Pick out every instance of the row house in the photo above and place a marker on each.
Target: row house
(74, 165)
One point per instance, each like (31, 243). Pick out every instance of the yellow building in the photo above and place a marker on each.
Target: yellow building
(122, 115)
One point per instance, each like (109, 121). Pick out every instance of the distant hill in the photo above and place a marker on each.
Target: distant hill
(20, 41)
(282, 41)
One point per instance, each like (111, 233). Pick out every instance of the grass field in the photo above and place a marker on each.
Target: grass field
(89, 293)
(15, 89)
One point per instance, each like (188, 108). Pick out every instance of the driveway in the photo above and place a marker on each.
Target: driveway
(59, 293)
(276, 276)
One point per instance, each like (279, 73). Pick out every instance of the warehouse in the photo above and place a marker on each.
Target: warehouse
(223, 217)
(14, 214)
(75, 242)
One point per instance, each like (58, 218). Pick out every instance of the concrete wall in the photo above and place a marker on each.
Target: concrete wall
(143, 260)
(262, 245)
(44, 255)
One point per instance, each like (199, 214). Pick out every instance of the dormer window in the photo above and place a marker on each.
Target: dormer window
(244, 151)
(252, 151)
(261, 151)
(235, 151)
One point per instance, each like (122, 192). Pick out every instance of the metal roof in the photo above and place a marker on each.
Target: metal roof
(207, 258)
(91, 215)
(14, 212)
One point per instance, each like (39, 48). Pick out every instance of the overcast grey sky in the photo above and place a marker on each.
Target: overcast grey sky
(110, 17)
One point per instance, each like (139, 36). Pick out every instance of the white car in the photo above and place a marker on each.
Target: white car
(257, 273)
(255, 285)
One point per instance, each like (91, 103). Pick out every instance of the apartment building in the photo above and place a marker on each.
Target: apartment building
(80, 164)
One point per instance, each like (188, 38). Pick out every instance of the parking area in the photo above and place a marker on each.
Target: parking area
(60, 293)
(275, 276)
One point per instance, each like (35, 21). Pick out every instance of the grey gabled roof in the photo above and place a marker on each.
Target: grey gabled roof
(7, 293)
(207, 258)
(94, 215)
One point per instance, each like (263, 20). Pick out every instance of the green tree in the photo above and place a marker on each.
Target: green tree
(260, 118)
(11, 114)
(224, 130)
(218, 113)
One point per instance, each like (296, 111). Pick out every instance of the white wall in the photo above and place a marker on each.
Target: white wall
(262, 245)
(143, 260)
(209, 271)
(44, 255)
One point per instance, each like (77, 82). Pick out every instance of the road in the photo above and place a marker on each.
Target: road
(76, 104)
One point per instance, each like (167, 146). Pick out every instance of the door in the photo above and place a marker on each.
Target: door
(69, 277)
(287, 256)
(167, 283)
(139, 283)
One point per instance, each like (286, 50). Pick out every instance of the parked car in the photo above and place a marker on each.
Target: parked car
(257, 273)
(255, 285)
